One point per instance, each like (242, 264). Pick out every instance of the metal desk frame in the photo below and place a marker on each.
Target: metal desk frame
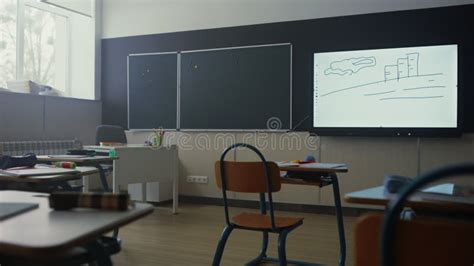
(327, 176)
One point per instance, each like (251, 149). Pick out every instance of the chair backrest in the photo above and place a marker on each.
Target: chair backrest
(108, 133)
(256, 177)
(248, 176)
(421, 241)
(389, 228)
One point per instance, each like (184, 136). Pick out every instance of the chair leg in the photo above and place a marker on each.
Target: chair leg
(220, 246)
(282, 247)
(263, 251)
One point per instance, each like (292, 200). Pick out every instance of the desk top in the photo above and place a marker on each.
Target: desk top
(323, 168)
(316, 167)
(44, 231)
(126, 146)
(76, 159)
(81, 171)
(420, 201)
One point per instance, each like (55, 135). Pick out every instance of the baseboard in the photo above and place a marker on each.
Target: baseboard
(291, 207)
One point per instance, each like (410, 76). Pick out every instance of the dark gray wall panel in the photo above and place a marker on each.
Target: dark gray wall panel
(35, 117)
(421, 27)
(21, 116)
(67, 118)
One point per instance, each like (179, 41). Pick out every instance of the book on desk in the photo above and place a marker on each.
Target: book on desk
(10, 209)
(311, 172)
(312, 165)
(36, 171)
(449, 192)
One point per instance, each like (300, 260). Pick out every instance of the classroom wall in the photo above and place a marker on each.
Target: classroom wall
(34, 117)
(435, 26)
(369, 159)
(139, 17)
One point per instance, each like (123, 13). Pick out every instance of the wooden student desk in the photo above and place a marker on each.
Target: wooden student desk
(44, 232)
(94, 161)
(327, 176)
(50, 180)
(420, 201)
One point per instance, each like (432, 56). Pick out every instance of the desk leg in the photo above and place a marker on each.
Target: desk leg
(106, 188)
(65, 186)
(175, 173)
(98, 252)
(340, 222)
(175, 194)
(103, 178)
(115, 184)
(85, 183)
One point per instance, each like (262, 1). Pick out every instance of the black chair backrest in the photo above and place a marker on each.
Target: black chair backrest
(108, 133)
(395, 206)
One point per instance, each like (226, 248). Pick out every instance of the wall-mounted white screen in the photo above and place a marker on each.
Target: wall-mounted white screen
(411, 87)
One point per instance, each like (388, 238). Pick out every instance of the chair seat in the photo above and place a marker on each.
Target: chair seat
(261, 221)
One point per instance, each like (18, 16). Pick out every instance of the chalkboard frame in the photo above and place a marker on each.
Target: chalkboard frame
(178, 89)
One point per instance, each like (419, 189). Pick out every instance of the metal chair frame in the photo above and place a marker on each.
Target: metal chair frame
(283, 232)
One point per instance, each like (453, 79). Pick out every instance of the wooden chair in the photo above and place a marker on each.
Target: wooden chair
(385, 240)
(421, 241)
(253, 177)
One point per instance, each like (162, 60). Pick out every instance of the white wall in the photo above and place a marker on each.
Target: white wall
(368, 159)
(82, 54)
(141, 17)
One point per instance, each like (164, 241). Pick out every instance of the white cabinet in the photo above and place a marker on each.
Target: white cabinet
(147, 173)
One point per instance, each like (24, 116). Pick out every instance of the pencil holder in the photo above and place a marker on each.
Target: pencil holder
(157, 140)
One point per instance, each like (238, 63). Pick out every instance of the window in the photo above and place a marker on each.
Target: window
(7, 41)
(48, 45)
(45, 48)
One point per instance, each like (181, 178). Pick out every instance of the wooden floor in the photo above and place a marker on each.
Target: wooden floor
(190, 238)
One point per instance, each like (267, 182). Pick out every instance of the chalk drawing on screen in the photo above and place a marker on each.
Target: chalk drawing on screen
(406, 68)
(350, 66)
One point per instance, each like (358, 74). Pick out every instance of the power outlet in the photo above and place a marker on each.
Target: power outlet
(196, 179)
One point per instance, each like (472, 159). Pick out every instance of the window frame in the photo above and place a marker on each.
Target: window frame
(20, 39)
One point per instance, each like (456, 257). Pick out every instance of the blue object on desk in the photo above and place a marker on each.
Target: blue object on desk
(7, 161)
(309, 158)
(393, 183)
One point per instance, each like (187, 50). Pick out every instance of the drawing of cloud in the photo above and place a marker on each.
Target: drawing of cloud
(350, 66)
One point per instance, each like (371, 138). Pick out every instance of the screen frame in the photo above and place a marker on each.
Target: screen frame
(390, 131)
